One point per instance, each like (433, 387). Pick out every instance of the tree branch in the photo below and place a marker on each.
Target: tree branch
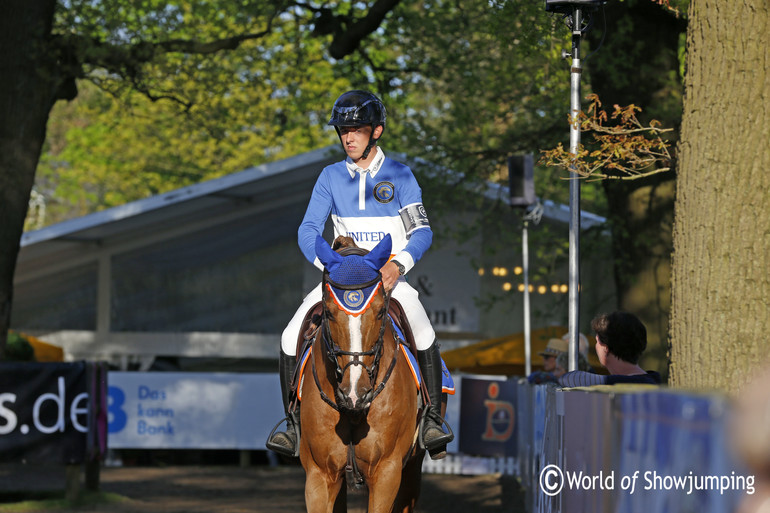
(209, 47)
(347, 41)
(76, 52)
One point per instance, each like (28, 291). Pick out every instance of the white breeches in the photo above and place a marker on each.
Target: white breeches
(402, 292)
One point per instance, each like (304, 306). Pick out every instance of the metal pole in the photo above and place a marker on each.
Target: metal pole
(574, 193)
(527, 329)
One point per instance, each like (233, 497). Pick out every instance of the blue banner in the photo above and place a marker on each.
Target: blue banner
(192, 410)
(488, 417)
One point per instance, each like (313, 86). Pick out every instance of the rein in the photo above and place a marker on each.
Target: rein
(333, 351)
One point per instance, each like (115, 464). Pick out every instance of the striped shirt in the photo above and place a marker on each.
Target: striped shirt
(587, 379)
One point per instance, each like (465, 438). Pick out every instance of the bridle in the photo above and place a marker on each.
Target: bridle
(333, 351)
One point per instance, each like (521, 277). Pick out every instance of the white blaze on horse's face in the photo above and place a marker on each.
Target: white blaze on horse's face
(356, 345)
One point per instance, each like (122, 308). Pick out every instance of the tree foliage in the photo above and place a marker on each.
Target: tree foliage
(170, 93)
(181, 118)
(165, 51)
(170, 128)
(427, 61)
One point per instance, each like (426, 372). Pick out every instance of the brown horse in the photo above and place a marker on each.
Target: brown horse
(360, 405)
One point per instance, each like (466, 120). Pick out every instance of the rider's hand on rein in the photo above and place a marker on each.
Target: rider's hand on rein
(390, 276)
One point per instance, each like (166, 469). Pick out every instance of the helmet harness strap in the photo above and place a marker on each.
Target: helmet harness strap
(372, 142)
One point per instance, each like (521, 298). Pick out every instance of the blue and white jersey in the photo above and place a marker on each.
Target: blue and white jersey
(367, 204)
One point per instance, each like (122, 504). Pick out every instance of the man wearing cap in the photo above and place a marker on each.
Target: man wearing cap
(555, 347)
(553, 350)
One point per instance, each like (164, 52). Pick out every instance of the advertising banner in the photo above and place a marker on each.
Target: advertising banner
(488, 416)
(188, 410)
(44, 412)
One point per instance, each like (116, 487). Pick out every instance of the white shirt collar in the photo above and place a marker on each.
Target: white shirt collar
(372, 169)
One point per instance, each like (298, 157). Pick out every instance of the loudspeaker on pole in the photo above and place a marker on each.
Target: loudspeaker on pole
(521, 180)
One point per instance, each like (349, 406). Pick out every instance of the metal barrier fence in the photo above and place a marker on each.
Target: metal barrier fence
(628, 449)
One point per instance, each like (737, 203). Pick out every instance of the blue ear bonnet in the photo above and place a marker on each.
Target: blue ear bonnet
(353, 270)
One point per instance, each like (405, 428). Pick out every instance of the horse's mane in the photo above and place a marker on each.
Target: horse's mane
(352, 251)
(347, 246)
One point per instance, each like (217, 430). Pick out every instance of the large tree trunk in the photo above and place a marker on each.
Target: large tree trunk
(638, 63)
(27, 92)
(720, 312)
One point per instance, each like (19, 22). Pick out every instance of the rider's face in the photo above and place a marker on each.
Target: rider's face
(355, 138)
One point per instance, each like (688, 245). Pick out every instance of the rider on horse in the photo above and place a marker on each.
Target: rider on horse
(368, 196)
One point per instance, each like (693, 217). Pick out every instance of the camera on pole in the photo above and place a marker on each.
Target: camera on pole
(578, 15)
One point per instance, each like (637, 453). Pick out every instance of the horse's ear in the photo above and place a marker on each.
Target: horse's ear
(380, 254)
(328, 257)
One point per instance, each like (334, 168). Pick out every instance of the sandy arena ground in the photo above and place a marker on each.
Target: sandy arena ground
(233, 489)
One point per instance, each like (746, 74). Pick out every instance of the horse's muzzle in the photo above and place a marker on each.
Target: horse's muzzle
(359, 407)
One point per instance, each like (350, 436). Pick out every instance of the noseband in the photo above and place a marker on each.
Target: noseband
(333, 351)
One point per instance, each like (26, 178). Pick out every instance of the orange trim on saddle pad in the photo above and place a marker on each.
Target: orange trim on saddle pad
(414, 371)
(302, 364)
(447, 383)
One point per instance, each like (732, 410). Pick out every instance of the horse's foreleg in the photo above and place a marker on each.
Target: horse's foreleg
(322, 492)
(411, 480)
(341, 504)
(383, 487)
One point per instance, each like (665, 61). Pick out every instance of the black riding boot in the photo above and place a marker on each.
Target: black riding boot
(287, 442)
(433, 437)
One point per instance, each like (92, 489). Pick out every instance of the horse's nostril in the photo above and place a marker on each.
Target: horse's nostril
(365, 398)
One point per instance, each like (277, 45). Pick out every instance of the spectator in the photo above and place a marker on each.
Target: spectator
(582, 343)
(621, 338)
(554, 349)
(582, 350)
(749, 430)
(562, 364)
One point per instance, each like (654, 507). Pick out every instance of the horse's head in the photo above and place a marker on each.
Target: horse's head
(355, 306)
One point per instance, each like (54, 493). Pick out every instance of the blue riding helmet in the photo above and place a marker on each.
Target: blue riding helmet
(357, 108)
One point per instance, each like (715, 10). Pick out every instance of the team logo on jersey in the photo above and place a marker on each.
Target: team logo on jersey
(353, 298)
(384, 192)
